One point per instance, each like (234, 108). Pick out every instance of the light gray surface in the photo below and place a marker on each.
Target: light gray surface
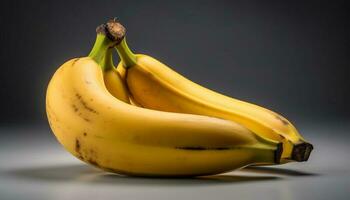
(34, 166)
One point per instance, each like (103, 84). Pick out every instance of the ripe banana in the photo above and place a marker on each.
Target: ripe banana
(119, 137)
(113, 80)
(154, 85)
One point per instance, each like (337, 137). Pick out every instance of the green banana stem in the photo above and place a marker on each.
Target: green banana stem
(127, 57)
(100, 48)
(107, 62)
(108, 35)
(112, 34)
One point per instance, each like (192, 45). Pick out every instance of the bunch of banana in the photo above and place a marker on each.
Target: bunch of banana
(153, 85)
(96, 112)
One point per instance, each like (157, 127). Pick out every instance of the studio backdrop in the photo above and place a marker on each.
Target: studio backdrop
(292, 57)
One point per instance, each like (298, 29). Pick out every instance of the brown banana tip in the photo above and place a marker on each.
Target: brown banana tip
(116, 30)
(113, 30)
(301, 152)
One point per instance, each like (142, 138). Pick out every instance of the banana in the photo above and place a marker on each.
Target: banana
(154, 85)
(116, 136)
(102, 52)
(113, 80)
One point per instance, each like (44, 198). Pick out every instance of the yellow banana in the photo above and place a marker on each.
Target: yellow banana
(154, 85)
(102, 52)
(115, 136)
(113, 80)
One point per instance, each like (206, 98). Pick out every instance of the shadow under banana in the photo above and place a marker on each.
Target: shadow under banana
(86, 174)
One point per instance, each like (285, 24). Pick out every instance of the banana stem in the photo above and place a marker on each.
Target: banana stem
(127, 57)
(107, 62)
(108, 35)
(266, 156)
(267, 153)
(98, 52)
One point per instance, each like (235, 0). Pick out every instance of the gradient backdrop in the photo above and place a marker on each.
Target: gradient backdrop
(289, 56)
(292, 57)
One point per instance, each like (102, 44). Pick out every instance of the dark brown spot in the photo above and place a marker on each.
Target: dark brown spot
(282, 137)
(75, 108)
(86, 119)
(222, 148)
(85, 134)
(85, 105)
(199, 148)
(77, 145)
(75, 61)
(78, 96)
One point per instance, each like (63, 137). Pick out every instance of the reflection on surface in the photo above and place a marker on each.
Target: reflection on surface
(87, 174)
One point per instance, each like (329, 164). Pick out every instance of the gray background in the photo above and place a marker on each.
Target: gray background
(292, 57)
(289, 56)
